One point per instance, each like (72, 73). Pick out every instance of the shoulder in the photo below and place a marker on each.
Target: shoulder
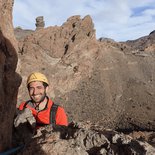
(23, 105)
(60, 110)
(61, 116)
(56, 107)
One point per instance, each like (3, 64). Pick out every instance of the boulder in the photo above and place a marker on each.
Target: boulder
(40, 22)
(92, 140)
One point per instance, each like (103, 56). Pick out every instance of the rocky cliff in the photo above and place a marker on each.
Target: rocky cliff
(9, 79)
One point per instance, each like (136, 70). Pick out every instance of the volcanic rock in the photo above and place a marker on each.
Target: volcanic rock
(84, 141)
(40, 22)
(21, 34)
(100, 81)
(9, 79)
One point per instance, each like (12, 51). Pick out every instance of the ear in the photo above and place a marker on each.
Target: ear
(47, 89)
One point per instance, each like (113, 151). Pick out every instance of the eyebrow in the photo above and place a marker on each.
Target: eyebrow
(35, 86)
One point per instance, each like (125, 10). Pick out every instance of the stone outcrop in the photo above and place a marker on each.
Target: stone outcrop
(88, 139)
(9, 79)
(146, 43)
(99, 81)
(40, 22)
(21, 34)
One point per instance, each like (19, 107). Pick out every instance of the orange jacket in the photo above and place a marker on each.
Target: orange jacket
(43, 116)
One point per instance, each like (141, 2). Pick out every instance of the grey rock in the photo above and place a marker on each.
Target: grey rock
(40, 22)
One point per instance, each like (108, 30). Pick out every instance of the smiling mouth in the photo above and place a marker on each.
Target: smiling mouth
(36, 96)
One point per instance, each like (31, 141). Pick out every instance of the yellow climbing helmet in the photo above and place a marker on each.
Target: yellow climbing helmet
(36, 76)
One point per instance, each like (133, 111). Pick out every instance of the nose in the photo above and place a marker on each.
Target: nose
(35, 91)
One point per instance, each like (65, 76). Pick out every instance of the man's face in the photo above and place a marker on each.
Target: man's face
(37, 91)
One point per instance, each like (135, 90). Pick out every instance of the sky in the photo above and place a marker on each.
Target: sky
(120, 20)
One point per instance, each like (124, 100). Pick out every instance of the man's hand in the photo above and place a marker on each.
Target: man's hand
(25, 116)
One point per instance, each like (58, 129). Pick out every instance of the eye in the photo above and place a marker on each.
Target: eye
(39, 87)
(31, 88)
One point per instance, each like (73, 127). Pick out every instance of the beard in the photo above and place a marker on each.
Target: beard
(38, 98)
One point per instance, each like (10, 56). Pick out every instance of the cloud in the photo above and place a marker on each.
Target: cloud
(117, 19)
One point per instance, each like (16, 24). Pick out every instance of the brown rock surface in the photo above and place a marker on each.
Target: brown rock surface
(9, 79)
(21, 34)
(146, 43)
(99, 81)
(87, 139)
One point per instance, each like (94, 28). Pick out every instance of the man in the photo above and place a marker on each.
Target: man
(41, 106)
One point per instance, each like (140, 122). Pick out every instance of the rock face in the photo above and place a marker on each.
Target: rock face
(146, 43)
(9, 79)
(84, 72)
(20, 34)
(100, 81)
(40, 22)
(87, 139)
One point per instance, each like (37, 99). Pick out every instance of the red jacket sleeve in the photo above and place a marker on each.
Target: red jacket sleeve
(61, 117)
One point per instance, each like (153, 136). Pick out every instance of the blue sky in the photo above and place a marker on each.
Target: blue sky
(120, 20)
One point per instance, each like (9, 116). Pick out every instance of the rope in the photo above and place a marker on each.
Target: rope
(13, 150)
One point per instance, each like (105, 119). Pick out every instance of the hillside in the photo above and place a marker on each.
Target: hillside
(101, 81)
